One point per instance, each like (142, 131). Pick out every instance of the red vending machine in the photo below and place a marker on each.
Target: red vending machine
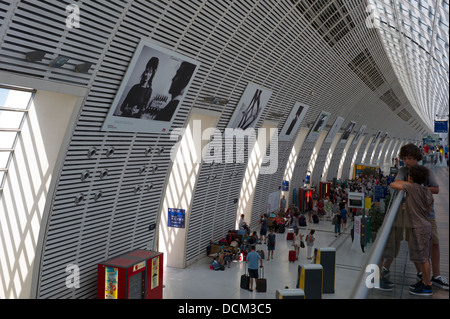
(305, 202)
(324, 189)
(134, 275)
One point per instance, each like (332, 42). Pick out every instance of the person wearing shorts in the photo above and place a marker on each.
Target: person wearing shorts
(410, 154)
(253, 258)
(418, 202)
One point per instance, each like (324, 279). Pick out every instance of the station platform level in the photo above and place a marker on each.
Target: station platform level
(199, 282)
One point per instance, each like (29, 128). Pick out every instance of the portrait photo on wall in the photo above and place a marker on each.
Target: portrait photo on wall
(250, 107)
(347, 132)
(152, 90)
(384, 138)
(359, 134)
(320, 123)
(376, 138)
(334, 129)
(295, 118)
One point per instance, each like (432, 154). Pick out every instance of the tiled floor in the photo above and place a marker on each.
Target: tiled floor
(199, 282)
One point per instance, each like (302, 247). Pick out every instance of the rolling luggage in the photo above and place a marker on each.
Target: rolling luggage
(245, 280)
(261, 283)
(291, 255)
(290, 236)
(302, 221)
(315, 219)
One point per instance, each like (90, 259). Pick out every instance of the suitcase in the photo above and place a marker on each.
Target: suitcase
(290, 236)
(302, 221)
(291, 255)
(261, 283)
(315, 219)
(245, 280)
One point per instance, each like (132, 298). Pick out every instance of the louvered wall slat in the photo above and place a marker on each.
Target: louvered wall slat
(267, 42)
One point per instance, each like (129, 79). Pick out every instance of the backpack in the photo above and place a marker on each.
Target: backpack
(217, 266)
(334, 221)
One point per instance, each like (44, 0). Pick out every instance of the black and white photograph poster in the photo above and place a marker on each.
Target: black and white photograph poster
(152, 90)
(320, 123)
(334, 129)
(295, 118)
(384, 138)
(359, 134)
(250, 107)
(347, 132)
(376, 138)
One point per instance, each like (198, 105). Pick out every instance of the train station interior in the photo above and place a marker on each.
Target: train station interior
(135, 135)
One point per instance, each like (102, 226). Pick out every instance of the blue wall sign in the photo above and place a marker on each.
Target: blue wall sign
(176, 218)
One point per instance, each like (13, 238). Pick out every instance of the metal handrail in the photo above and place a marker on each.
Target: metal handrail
(360, 290)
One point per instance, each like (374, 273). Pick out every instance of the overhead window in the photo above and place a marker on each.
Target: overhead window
(14, 104)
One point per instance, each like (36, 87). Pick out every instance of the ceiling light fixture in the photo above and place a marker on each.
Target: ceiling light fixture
(59, 61)
(35, 56)
(83, 67)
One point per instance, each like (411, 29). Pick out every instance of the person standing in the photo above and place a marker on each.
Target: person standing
(263, 231)
(253, 258)
(411, 155)
(344, 213)
(336, 219)
(418, 202)
(283, 204)
(271, 241)
(328, 207)
(320, 208)
(310, 244)
(296, 242)
(295, 221)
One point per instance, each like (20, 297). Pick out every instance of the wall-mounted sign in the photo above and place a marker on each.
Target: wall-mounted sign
(440, 126)
(176, 218)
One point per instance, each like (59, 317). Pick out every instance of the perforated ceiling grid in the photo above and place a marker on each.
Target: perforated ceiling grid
(110, 186)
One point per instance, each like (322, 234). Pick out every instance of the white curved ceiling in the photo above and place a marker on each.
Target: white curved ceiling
(416, 38)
